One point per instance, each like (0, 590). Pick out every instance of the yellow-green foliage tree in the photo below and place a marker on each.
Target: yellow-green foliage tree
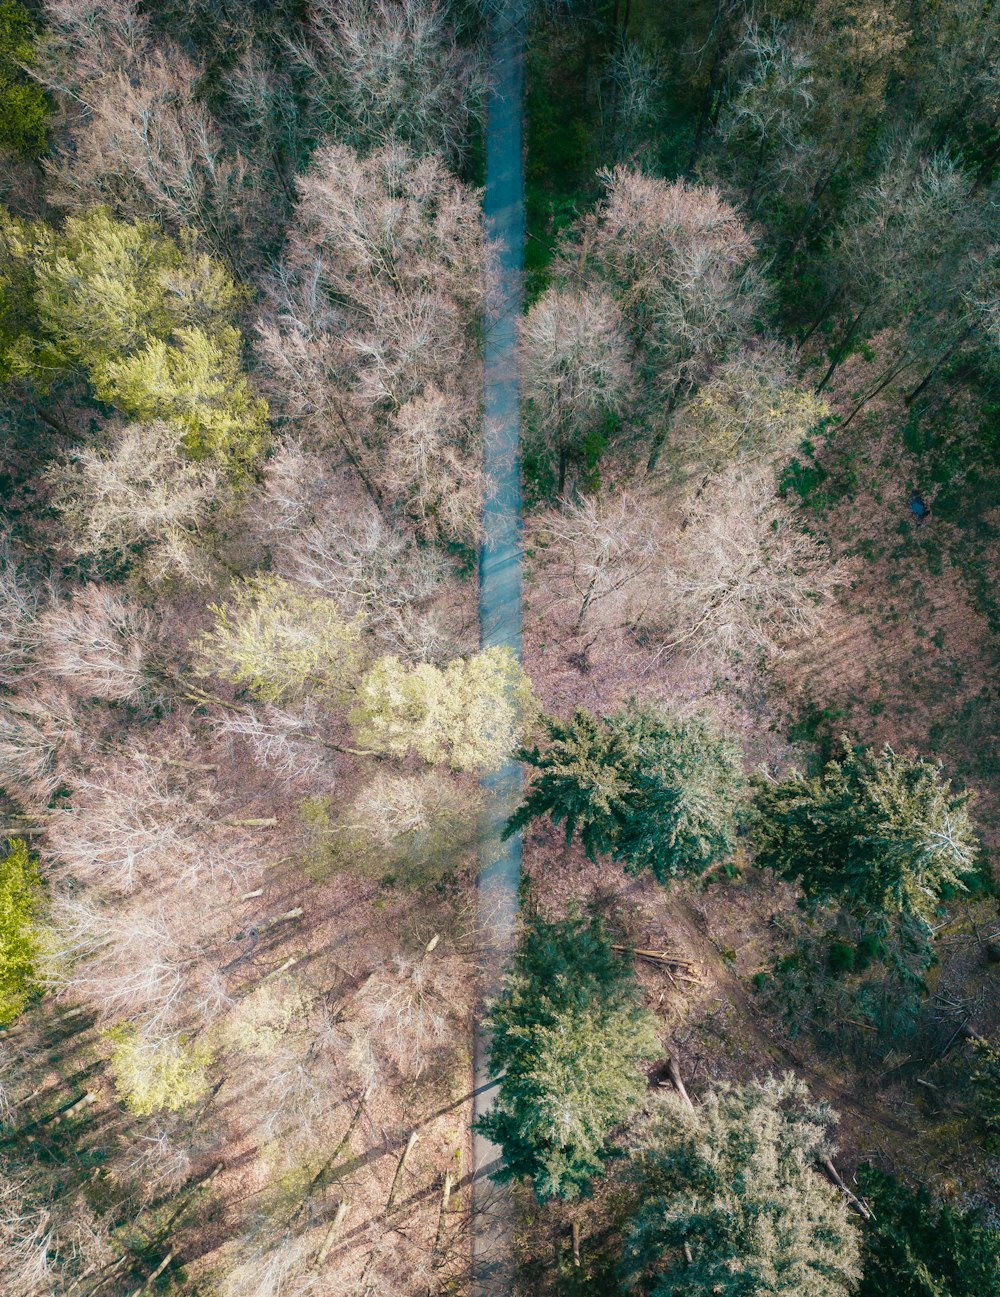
(23, 109)
(468, 714)
(283, 644)
(147, 319)
(151, 1075)
(20, 902)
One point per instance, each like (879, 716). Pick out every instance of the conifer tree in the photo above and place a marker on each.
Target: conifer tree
(918, 1248)
(20, 900)
(875, 830)
(731, 1202)
(568, 1033)
(655, 792)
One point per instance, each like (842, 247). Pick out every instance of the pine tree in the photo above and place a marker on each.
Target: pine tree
(20, 901)
(731, 1203)
(568, 1034)
(586, 777)
(657, 793)
(876, 830)
(690, 786)
(918, 1248)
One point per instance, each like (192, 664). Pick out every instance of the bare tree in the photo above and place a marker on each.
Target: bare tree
(679, 261)
(46, 1250)
(378, 72)
(740, 574)
(99, 645)
(133, 494)
(137, 137)
(602, 546)
(575, 367)
(42, 736)
(378, 304)
(328, 540)
(409, 1009)
(20, 601)
(145, 817)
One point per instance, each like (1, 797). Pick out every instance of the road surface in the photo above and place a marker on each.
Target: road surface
(500, 592)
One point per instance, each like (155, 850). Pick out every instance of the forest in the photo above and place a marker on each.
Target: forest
(260, 750)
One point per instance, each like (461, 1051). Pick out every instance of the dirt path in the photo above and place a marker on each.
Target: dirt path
(500, 592)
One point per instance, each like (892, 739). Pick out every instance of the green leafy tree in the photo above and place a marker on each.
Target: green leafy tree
(731, 1202)
(568, 1034)
(146, 319)
(655, 792)
(20, 903)
(469, 713)
(918, 1248)
(23, 110)
(152, 1074)
(281, 643)
(875, 830)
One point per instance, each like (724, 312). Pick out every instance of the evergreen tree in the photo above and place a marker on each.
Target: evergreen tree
(657, 793)
(731, 1203)
(23, 110)
(986, 1090)
(20, 901)
(917, 1248)
(568, 1033)
(586, 777)
(877, 831)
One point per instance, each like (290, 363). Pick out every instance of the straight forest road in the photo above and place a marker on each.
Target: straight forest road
(499, 597)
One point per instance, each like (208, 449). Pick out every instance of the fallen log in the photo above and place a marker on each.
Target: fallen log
(677, 963)
(833, 1175)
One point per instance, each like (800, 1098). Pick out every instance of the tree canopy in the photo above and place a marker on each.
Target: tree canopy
(656, 792)
(734, 1184)
(568, 1033)
(876, 830)
(147, 320)
(20, 904)
(916, 1247)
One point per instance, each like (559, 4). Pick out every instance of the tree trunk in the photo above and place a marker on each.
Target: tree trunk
(397, 1179)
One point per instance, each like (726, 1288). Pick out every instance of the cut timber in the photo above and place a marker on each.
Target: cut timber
(686, 969)
(331, 1233)
(576, 1242)
(280, 918)
(833, 1175)
(397, 1179)
(82, 1102)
